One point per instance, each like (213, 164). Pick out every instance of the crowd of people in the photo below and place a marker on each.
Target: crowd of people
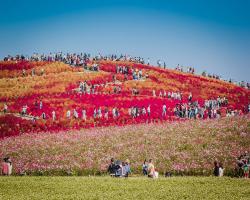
(81, 59)
(190, 110)
(119, 168)
(122, 169)
(193, 109)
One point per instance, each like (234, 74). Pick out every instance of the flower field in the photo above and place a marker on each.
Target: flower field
(188, 147)
(56, 85)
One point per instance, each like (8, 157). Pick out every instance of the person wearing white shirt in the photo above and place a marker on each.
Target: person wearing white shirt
(221, 170)
(149, 110)
(68, 114)
(53, 115)
(84, 117)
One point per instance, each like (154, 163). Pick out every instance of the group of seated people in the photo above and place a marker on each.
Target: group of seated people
(122, 169)
(119, 168)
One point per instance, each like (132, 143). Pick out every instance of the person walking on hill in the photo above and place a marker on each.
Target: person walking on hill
(84, 117)
(24, 110)
(5, 108)
(53, 115)
(68, 114)
(164, 110)
(148, 110)
(106, 114)
(75, 113)
(190, 97)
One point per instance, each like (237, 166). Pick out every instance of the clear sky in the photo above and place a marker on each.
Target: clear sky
(209, 35)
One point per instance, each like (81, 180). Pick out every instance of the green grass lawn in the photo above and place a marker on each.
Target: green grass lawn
(131, 188)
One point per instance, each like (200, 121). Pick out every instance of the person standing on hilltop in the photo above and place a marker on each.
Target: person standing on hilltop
(190, 97)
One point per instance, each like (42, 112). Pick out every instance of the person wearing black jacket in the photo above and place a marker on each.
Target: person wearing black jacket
(112, 167)
(216, 168)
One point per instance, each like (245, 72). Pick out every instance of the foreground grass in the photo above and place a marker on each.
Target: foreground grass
(131, 188)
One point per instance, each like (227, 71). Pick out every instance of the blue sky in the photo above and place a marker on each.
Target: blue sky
(208, 35)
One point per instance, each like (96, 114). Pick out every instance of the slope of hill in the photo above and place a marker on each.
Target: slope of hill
(56, 85)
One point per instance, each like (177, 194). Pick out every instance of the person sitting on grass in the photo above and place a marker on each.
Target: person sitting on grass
(119, 169)
(151, 169)
(112, 168)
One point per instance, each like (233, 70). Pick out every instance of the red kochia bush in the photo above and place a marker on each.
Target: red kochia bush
(19, 65)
